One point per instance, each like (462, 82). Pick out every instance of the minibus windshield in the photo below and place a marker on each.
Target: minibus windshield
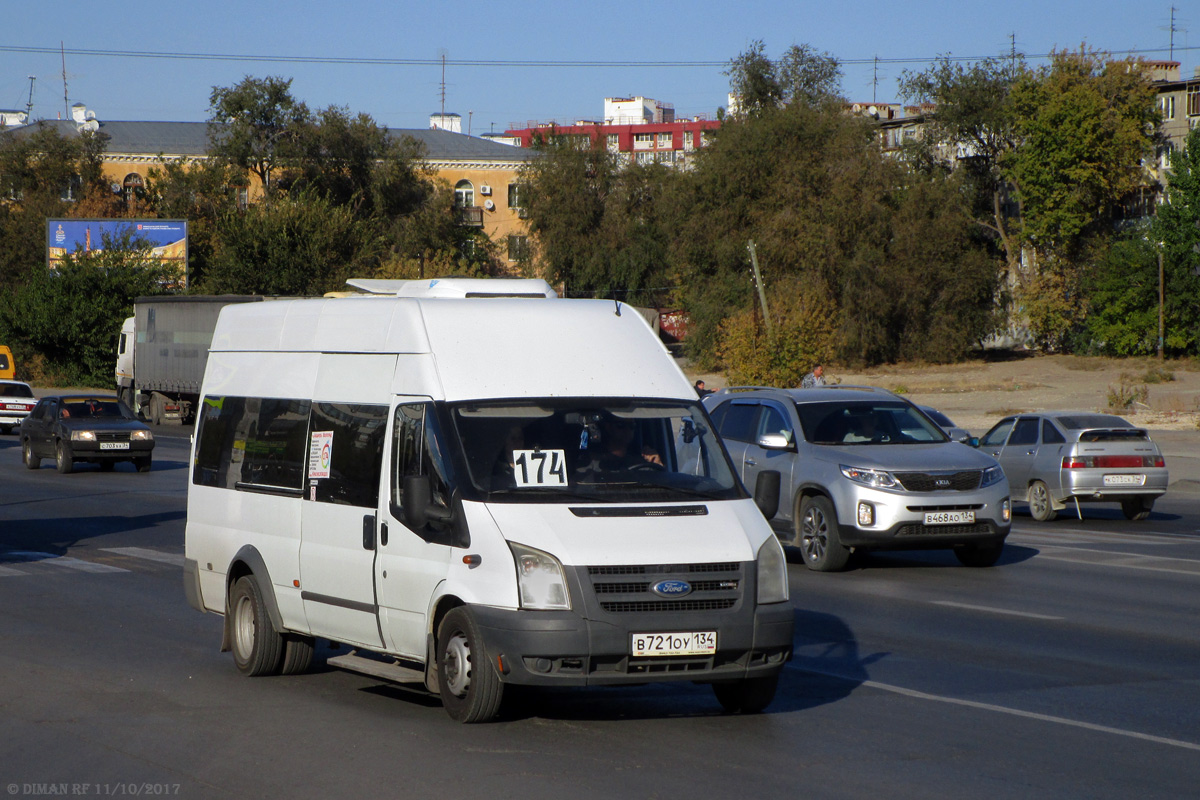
(592, 450)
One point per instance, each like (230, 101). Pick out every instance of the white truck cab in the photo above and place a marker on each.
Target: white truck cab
(472, 484)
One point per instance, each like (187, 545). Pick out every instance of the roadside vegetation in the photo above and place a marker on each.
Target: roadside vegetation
(866, 256)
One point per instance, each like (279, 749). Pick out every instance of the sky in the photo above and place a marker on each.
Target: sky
(511, 63)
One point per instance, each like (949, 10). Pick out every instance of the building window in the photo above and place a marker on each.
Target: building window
(1166, 105)
(614, 142)
(643, 141)
(464, 194)
(689, 140)
(131, 188)
(664, 139)
(518, 248)
(514, 200)
(1193, 100)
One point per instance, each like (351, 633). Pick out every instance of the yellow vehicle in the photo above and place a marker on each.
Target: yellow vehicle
(8, 370)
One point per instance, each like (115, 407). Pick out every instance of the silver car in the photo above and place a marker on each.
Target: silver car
(861, 469)
(1058, 458)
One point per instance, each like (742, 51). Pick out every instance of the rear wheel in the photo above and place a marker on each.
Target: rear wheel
(257, 646)
(470, 689)
(31, 461)
(62, 457)
(747, 696)
(979, 555)
(1137, 508)
(817, 536)
(1040, 506)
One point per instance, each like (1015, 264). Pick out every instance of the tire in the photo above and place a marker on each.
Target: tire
(5, 429)
(297, 654)
(747, 696)
(143, 463)
(1137, 508)
(257, 646)
(1040, 506)
(31, 461)
(63, 461)
(818, 538)
(979, 555)
(470, 689)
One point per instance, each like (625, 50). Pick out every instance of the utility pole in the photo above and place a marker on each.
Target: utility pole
(66, 107)
(29, 104)
(762, 295)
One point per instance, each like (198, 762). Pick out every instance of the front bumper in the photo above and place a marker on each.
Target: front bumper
(899, 518)
(91, 451)
(563, 648)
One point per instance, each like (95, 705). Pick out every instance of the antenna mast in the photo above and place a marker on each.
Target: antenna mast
(66, 108)
(29, 104)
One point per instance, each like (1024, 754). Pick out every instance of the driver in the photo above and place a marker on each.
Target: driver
(618, 451)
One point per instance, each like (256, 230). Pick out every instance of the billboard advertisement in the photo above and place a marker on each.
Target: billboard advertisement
(167, 238)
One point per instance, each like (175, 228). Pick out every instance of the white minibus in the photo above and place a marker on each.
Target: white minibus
(471, 484)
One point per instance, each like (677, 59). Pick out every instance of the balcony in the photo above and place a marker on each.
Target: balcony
(471, 216)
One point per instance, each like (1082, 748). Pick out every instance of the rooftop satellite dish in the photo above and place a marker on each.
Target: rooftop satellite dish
(91, 125)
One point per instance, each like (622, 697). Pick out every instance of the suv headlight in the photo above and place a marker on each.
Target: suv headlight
(875, 478)
(83, 436)
(772, 572)
(540, 579)
(991, 476)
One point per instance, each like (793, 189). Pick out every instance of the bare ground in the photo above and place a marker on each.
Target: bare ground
(975, 394)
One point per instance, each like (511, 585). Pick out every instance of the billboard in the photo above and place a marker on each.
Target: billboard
(167, 238)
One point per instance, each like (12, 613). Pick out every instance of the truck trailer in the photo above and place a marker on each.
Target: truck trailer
(163, 350)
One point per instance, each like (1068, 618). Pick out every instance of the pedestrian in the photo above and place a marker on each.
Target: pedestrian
(814, 378)
(700, 390)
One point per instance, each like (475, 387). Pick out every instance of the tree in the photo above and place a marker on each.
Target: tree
(71, 316)
(253, 124)
(1176, 230)
(298, 245)
(802, 76)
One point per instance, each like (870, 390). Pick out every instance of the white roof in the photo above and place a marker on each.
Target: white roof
(481, 348)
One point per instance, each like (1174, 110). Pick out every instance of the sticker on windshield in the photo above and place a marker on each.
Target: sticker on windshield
(540, 467)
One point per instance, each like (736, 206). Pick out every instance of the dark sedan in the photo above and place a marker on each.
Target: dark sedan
(93, 428)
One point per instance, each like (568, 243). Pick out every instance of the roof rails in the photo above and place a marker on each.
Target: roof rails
(455, 287)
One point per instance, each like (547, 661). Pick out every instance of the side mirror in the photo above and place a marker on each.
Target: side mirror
(973, 441)
(774, 441)
(766, 492)
(419, 511)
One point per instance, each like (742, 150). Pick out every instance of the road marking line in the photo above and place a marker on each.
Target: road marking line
(992, 610)
(1016, 712)
(147, 554)
(1107, 558)
(33, 557)
(9, 571)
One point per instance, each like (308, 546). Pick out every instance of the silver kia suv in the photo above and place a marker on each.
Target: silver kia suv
(862, 468)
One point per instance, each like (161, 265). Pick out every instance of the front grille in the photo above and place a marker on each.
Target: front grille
(917, 529)
(108, 436)
(627, 589)
(965, 481)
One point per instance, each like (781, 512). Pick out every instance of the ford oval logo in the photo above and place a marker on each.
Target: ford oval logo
(671, 588)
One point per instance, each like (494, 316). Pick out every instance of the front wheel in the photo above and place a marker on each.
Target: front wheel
(31, 461)
(257, 646)
(1040, 506)
(143, 463)
(470, 689)
(747, 696)
(62, 458)
(817, 535)
(1137, 508)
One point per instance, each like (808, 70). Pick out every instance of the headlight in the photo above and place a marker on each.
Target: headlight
(540, 579)
(991, 476)
(141, 436)
(83, 436)
(772, 572)
(876, 478)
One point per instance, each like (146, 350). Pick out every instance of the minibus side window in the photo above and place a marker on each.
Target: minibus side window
(356, 453)
(417, 450)
(252, 440)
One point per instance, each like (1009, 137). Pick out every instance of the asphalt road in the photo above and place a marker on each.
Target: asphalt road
(1068, 670)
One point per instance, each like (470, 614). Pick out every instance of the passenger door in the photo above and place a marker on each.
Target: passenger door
(39, 426)
(772, 422)
(412, 561)
(737, 425)
(1019, 453)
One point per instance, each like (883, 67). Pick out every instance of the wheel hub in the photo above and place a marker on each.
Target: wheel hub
(458, 665)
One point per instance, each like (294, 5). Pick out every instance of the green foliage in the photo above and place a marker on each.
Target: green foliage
(1123, 298)
(1126, 393)
(801, 335)
(256, 123)
(1177, 227)
(72, 316)
(802, 76)
(1053, 305)
(301, 245)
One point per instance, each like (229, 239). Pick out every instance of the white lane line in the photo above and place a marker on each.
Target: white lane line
(1016, 712)
(32, 557)
(993, 610)
(9, 571)
(147, 554)
(1108, 558)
